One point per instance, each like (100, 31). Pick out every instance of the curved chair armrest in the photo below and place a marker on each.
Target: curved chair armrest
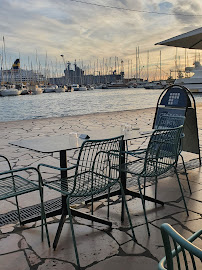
(166, 229)
(24, 169)
(135, 152)
(20, 169)
(56, 168)
(1, 156)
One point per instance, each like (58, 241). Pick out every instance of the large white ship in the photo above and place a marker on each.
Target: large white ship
(194, 83)
(16, 75)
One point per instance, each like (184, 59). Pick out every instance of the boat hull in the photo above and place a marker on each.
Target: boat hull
(10, 92)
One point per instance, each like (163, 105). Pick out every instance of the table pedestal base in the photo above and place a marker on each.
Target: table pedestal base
(77, 214)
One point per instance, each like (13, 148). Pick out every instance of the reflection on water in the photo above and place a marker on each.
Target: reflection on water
(77, 103)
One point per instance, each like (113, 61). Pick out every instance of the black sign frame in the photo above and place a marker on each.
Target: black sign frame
(177, 100)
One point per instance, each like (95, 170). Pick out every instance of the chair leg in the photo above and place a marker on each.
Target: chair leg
(181, 190)
(92, 205)
(143, 205)
(186, 173)
(144, 186)
(43, 218)
(73, 235)
(156, 184)
(126, 206)
(18, 209)
(108, 196)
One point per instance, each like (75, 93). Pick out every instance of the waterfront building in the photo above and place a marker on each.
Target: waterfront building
(78, 76)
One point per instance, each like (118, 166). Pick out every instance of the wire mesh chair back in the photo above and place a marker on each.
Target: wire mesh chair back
(162, 151)
(180, 253)
(97, 165)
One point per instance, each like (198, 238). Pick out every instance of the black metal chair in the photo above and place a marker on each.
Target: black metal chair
(12, 184)
(168, 121)
(95, 172)
(185, 254)
(160, 156)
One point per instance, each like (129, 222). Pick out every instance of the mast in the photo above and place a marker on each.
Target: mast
(136, 65)
(147, 65)
(160, 66)
(139, 60)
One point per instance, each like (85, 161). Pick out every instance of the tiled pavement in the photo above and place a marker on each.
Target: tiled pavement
(99, 246)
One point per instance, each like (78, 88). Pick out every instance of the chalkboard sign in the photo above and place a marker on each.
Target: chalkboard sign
(167, 111)
(176, 101)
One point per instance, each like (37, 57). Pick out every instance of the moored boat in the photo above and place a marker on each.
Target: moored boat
(83, 88)
(194, 83)
(50, 88)
(10, 90)
(61, 89)
(35, 89)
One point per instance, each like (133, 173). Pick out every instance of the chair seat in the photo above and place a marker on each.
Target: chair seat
(137, 167)
(83, 185)
(20, 186)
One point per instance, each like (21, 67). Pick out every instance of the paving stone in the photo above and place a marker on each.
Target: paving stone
(32, 257)
(7, 229)
(120, 263)
(91, 244)
(96, 205)
(153, 242)
(52, 264)
(9, 243)
(6, 206)
(192, 205)
(120, 236)
(23, 244)
(132, 248)
(16, 260)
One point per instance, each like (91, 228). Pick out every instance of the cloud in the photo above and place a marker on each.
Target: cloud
(187, 8)
(81, 31)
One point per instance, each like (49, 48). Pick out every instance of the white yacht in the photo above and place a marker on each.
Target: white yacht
(154, 85)
(10, 90)
(24, 89)
(83, 88)
(50, 88)
(194, 83)
(35, 90)
(61, 89)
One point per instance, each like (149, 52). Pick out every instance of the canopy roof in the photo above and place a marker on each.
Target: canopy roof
(190, 40)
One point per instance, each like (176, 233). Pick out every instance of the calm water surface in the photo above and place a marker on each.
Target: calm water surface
(76, 103)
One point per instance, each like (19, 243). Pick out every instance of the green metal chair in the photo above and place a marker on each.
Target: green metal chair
(185, 253)
(95, 172)
(12, 184)
(168, 121)
(160, 156)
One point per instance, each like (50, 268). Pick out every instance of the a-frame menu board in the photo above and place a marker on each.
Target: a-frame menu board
(177, 100)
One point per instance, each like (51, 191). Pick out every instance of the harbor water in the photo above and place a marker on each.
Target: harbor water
(77, 103)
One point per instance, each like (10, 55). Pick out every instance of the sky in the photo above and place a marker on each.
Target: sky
(40, 31)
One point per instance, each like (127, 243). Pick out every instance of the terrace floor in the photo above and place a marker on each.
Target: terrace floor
(100, 247)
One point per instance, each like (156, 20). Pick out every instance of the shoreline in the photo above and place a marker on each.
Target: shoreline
(76, 116)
